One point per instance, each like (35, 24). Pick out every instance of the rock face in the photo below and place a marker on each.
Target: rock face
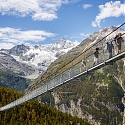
(7, 62)
(18, 50)
(74, 108)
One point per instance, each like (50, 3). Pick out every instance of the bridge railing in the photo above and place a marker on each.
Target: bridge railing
(103, 52)
(74, 68)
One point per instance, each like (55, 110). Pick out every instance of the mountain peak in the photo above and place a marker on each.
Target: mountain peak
(63, 43)
(18, 50)
(60, 41)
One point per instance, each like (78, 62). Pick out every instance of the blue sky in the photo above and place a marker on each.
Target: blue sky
(32, 22)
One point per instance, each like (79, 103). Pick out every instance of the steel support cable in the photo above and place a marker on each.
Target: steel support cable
(24, 99)
(93, 45)
(35, 93)
(88, 49)
(92, 53)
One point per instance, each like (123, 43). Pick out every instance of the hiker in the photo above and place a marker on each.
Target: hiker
(96, 57)
(84, 64)
(119, 41)
(110, 48)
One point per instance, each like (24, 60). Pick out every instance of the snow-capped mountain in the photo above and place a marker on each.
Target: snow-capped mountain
(7, 62)
(40, 56)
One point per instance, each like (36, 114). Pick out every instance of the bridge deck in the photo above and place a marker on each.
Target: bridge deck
(75, 71)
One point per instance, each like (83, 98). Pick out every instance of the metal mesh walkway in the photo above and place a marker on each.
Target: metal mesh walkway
(75, 69)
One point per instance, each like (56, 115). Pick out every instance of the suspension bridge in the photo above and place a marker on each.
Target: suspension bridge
(74, 69)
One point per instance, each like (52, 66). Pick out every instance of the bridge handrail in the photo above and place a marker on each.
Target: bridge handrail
(89, 48)
(60, 79)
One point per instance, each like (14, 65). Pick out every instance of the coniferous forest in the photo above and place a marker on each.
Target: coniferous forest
(33, 112)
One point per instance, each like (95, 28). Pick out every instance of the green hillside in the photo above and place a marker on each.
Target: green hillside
(33, 112)
(96, 96)
(13, 81)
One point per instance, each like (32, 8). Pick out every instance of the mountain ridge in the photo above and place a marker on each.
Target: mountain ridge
(39, 57)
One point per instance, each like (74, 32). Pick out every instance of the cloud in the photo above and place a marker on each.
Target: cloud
(37, 9)
(86, 6)
(73, 1)
(84, 35)
(110, 9)
(6, 45)
(11, 36)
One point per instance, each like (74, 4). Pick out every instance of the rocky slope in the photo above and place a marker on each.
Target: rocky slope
(8, 63)
(95, 96)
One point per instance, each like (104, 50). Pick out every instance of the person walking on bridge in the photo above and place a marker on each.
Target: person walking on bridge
(110, 48)
(83, 64)
(96, 57)
(119, 41)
